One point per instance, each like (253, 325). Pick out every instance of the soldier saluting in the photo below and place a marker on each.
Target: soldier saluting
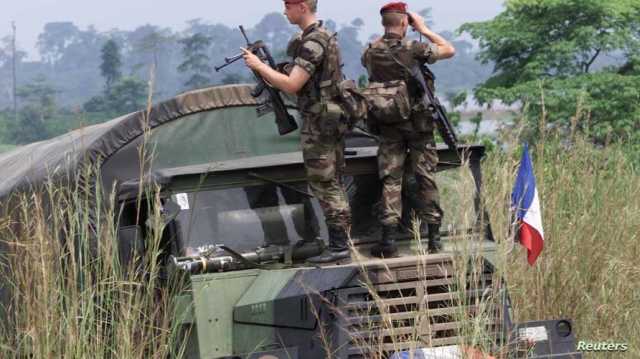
(314, 78)
(389, 60)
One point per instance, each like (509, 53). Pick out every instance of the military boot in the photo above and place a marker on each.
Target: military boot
(338, 248)
(308, 247)
(434, 237)
(387, 247)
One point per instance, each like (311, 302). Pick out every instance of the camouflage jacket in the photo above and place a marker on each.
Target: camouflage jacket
(382, 56)
(316, 51)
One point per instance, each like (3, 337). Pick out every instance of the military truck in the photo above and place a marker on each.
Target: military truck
(235, 200)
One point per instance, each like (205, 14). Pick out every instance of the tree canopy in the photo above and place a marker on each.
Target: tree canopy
(111, 63)
(196, 61)
(573, 59)
(39, 107)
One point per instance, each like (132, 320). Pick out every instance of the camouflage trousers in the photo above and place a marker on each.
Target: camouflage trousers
(398, 142)
(324, 163)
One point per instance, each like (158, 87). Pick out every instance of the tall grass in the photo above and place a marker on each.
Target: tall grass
(589, 269)
(73, 298)
(71, 295)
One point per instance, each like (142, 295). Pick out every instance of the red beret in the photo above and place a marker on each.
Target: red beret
(398, 7)
(287, 2)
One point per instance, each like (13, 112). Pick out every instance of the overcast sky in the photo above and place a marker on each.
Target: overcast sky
(31, 15)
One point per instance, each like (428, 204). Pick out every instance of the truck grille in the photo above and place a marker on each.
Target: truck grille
(406, 305)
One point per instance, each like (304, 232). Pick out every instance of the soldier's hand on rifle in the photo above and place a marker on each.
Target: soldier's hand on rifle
(290, 84)
(252, 61)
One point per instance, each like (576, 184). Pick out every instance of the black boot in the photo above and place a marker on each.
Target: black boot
(387, 247)
(338, 248)
(308, 248)
(434, 237)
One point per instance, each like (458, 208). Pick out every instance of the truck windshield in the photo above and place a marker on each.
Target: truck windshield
(248, 217)
(245, 218)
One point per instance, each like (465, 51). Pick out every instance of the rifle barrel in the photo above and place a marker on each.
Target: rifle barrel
(218, 68)
(232, 59)
(244, 34)
(228, 61)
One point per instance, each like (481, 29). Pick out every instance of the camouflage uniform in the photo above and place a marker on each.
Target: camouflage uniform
(414, 137)
(315, 50)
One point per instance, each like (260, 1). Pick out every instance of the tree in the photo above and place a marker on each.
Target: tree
(57, 36)
(11, 60)
(196, 61)
(111, 63)
(38, 98)
(152, 52)
(274, 30)
(357, 22)
(30, 127)
(150, 41)
(40, 95)
(545, 54)
(127, 95)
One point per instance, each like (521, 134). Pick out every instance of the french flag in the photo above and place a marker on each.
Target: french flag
(526, 203)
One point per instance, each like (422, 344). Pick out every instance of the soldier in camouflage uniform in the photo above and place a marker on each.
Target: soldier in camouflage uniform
(391, 58)
(314, 78)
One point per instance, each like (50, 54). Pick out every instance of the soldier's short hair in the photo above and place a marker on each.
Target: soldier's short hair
(392, 19)
(313, 5)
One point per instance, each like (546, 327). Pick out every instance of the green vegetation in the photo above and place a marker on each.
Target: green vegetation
(111, 63)
(196, 60)
(588, 270)
(121, 95)
(72, 297)
(128, 94)
(550, 56)
(39, 107)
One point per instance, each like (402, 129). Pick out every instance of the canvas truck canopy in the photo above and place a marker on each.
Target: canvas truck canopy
(202, 126)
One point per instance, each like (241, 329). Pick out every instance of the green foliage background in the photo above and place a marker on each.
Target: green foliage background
(554, 58)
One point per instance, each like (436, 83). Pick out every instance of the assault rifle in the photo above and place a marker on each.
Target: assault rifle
(286, 123)
(438, 112)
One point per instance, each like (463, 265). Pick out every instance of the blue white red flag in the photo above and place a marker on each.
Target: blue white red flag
(526, 203)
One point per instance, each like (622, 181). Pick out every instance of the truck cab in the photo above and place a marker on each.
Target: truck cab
(234, 227)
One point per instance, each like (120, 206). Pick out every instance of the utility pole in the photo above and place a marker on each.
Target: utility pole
(15, 98)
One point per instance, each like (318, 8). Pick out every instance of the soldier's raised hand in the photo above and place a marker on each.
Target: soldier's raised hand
(417, 22)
